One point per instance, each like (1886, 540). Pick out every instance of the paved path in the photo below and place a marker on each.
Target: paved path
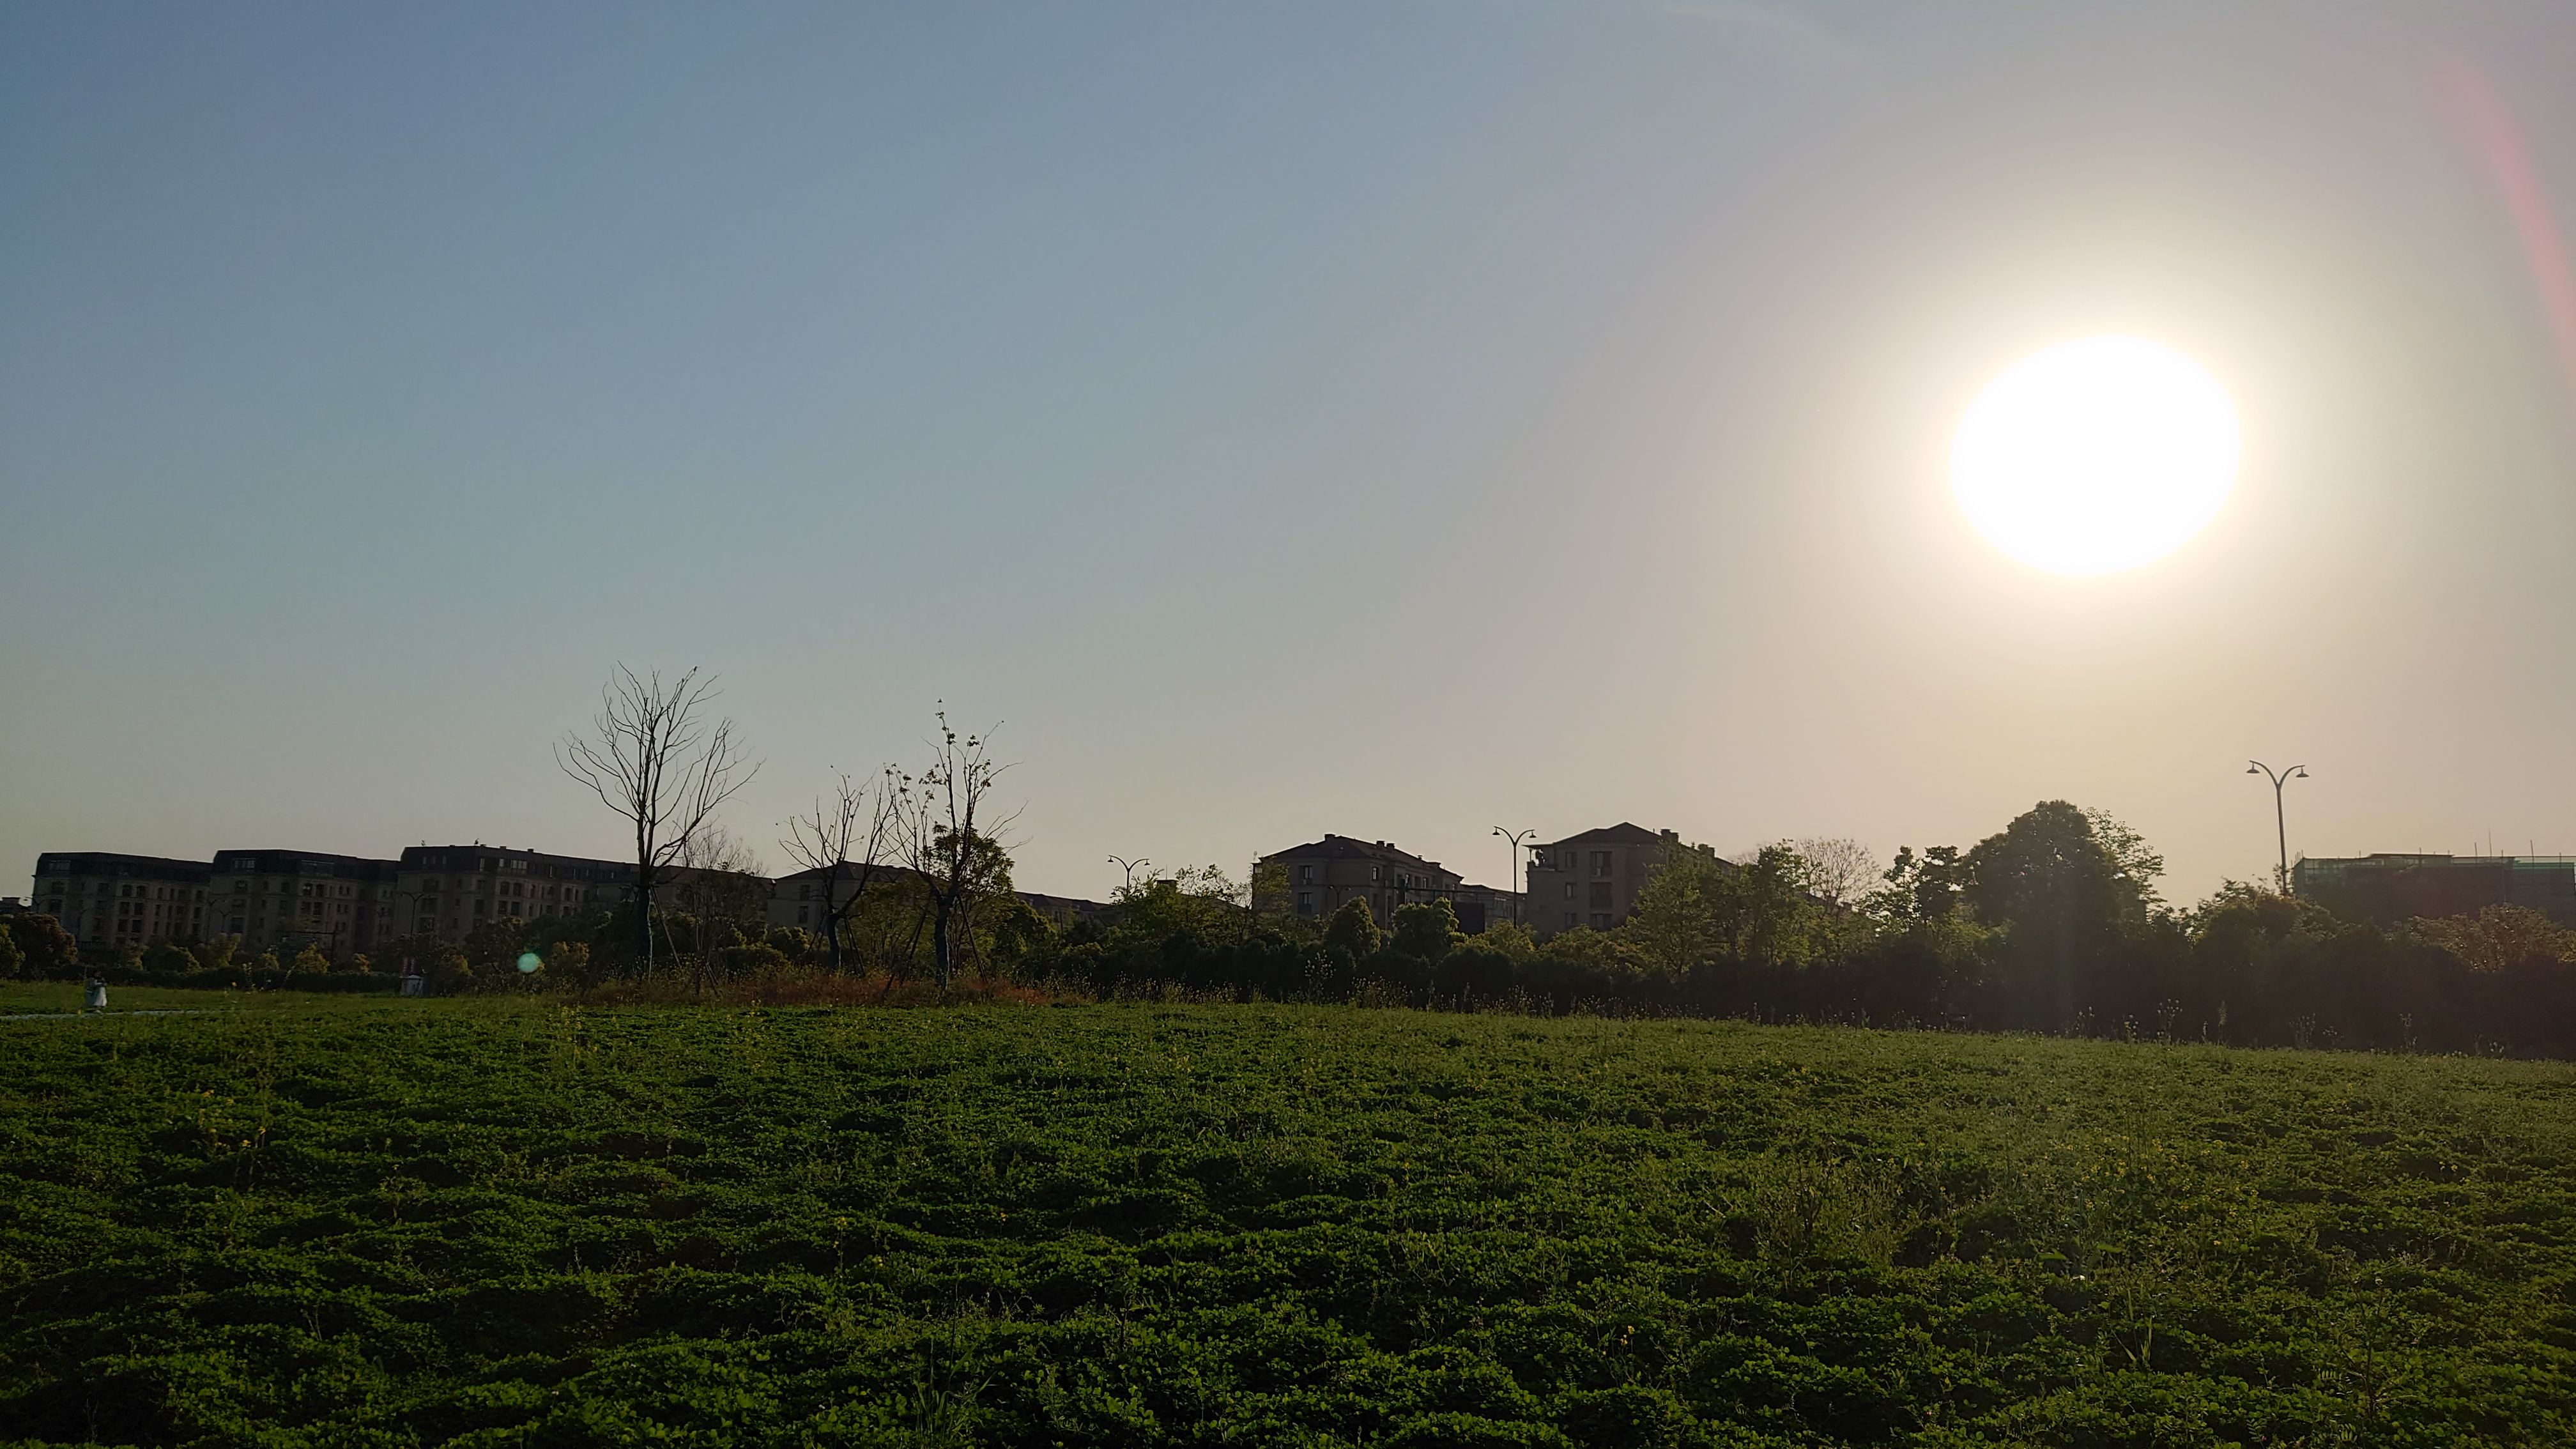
(68, 1015)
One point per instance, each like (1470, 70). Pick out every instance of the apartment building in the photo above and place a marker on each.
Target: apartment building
(1314, 879)
(448, 890)
(286, 900)
(2389, 888)
(107, 899)
(1592, 879)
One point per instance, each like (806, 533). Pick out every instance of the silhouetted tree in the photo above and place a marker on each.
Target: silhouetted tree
(654, 759)
(950, 839)
(846, 838)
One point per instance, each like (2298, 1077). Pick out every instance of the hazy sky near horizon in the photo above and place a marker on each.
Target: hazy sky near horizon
(1397, 419)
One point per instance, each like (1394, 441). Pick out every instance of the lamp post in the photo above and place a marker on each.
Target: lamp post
(2280, 818)
(1515, 837)
(1131, 867)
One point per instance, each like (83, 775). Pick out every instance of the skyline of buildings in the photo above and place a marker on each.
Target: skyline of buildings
(345, 905)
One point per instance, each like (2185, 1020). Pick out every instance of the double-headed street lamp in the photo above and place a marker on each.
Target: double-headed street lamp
(1515, 837)
(2280, 819)
(1131, 867)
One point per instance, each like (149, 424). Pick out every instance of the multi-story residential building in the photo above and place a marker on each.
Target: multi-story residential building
(1316, 878)
(448, 890)
(106, 899)
(286, 900)
(1592, 879)
(2390, 888)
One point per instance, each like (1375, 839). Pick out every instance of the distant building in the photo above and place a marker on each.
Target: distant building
(799, 900)
(1062, 910)
(2389, 888)
(1316, 878)
(286, 900)
(448, 890)
(106, 899)
(1592, 879)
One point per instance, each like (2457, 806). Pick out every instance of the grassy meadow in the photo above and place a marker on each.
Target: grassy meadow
(358, 1221)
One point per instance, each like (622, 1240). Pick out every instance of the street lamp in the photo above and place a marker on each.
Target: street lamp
(1515, 837)
(1131, 867)
(2280, 820)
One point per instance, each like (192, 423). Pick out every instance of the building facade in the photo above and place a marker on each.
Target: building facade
(1592, 879)
(2389, 888)
(1316, 878)
(107, 899)
(447, 890)
(286, 900)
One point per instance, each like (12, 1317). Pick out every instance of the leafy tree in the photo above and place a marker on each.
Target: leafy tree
(168, 958)
(1508, 939)
(1352, 932)
(1018, 933)
(13, 961)
(2051, 872)
(1698, 910)
(46, 950)
(309, 959)
(1928, 887)
(568, 963)
(2498, 937)
(2064, 897)
(1425, 930)
(215, 953)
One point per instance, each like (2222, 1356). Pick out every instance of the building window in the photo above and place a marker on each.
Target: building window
(1600, 862)
(1305, 903)
(1377, 872)
(1600, 895)
(1305, 875)
(1569, 920)
(1600, 921)
(1569, 895)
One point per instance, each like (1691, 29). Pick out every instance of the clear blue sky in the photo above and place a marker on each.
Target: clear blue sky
(1392, 418)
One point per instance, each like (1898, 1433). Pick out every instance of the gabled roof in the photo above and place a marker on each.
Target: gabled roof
(1623, 833)
(1343, 847)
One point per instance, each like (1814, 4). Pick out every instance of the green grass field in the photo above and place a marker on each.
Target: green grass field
(324, 1221)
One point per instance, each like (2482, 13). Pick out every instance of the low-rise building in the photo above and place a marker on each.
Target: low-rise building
(2388, 888)
(107, 899)
(1592, 879)
(286, 900)
(448, 890)
(1314, 879)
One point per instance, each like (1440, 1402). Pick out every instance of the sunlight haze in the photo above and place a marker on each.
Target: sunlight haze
(1397, 420)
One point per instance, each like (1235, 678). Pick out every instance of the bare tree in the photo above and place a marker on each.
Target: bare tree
(1838, 869)
(719, 879)
(950, 839)
(653, 758)
(846, 838)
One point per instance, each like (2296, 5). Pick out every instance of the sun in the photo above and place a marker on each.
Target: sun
(2096, 456)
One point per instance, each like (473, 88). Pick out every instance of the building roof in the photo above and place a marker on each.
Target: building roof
(435, 857)
(304, 862)
(108, 862)
(1623, 833)
(1343, 847)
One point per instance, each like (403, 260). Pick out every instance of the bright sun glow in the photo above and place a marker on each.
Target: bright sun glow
(2096, 456)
